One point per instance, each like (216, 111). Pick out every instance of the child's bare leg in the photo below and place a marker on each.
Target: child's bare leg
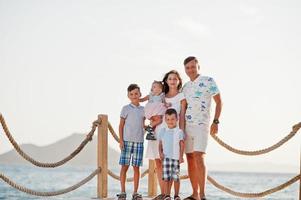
(177, 187)
(164, 187)
(136, 178)
(156, 120)
(159, 175)
(124, 169)
(169, 184)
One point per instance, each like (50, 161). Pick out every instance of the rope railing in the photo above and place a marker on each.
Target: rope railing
(248, 195)
(253, 195)
(113, 133)
(44, 164)
(89, 137)
(116, 177)
(52, 193)
(295, 129)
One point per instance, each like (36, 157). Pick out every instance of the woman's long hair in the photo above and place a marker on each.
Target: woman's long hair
(166, 87)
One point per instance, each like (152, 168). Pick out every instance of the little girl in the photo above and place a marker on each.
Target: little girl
(155, 108)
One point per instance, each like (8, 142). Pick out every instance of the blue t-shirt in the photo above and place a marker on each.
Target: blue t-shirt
(171, 142)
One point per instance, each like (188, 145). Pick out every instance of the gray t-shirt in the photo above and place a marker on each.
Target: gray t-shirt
(133, 127)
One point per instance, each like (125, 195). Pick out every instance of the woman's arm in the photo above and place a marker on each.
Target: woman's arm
(181, 159)
(182, 114)
(161, 150)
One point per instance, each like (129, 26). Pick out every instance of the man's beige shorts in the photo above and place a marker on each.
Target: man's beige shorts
(196, 138)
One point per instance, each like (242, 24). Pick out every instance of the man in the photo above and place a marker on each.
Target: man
(198, 93)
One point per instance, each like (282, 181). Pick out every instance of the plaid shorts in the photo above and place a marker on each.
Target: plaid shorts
(171, 169)
(134, 151)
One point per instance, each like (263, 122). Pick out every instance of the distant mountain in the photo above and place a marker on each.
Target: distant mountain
(59, 150)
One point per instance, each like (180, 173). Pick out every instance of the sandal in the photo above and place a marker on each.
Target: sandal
(137, 196)
(159, 197)
(176, 197)
(121, 196)
(167, 197)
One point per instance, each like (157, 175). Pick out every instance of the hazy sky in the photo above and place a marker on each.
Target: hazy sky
(64, 62)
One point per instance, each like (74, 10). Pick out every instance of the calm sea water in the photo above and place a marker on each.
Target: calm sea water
(60, 178)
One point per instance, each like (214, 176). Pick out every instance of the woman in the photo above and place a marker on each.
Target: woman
(172, 86)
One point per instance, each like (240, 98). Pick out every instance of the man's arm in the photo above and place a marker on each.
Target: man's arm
(218, 110)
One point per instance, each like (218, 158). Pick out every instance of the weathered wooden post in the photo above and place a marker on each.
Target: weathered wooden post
(300, 178)
(152, 179)
(102, 157)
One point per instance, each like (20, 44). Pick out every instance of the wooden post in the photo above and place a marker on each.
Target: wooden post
(300, 178)
(152, 179)
(102, 157)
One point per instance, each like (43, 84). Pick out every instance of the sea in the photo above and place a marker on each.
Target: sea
(41, 179)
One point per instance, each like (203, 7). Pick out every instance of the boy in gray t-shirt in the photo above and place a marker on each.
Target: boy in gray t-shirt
(131, 140)
(171, 149)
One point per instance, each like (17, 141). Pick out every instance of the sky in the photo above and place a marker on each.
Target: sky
(62, 63)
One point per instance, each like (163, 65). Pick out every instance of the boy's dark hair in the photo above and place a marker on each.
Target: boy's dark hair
(190, 58)
(171, 111)
(133, 87)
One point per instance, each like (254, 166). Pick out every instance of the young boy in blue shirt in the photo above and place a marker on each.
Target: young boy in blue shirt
(171, 149)
(131, 134)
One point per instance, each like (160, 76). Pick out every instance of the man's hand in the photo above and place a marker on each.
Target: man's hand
(121, 145)
(214, 129)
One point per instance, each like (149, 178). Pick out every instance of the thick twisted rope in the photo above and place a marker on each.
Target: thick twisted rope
(295, 129)
(42, 164)
(54, 193)
(249, 195)
(115, 136)
(116, 177)
(253, 195)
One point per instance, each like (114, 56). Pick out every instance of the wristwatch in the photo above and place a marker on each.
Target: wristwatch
(216, 121)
